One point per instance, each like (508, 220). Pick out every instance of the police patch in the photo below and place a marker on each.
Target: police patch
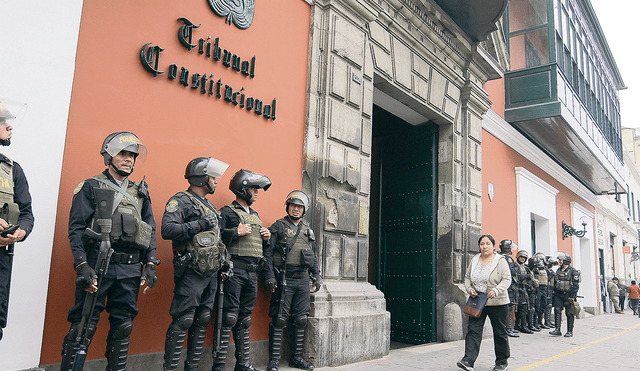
(172, 206)
(78, 187)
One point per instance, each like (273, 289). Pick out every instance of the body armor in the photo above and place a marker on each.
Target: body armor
(10, 211)
(302, 242)
(251, 244)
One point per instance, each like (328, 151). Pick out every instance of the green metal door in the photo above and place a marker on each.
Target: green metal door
(408, 195)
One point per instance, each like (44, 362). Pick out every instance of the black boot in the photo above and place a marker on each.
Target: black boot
(70, 347)
(275, 347)
(296, 360)
(173, 346)
(540, 322)
(558, 323)
(195, 343)
(220, 356)
(241, 338)
(510, 324)
(524, 326)
(570, 320)
(117, 353)
(531, 321)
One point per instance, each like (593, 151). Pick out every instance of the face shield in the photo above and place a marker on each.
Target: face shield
(11, 112)
(126, 142)
(298, 198)
(215, 168)
(257, 181)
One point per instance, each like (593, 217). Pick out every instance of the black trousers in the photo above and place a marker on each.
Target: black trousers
(193, 290)
(498, 317)
(241, 292)
(296, 296)
(4, 286)
(121, 296)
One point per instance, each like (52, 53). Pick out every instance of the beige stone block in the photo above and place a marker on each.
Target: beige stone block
(349, 257)
(402, 64)
(438, 85)
(453, 92)
(382, 60)
(367, 98)
(353, 169)
(345, 124)
(420, 87)
(339, 77)
(420, 66)
(366, 136)
(354, 96)
(380, 35)
(363, 222)
(348, 41)
(335, 161)
(457, 145)
(475, 181)
(365, 176)
(450, 108)
(367, 70)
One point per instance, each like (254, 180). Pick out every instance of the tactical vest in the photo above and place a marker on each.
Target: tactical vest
(542, 277)
(206, 247)
(128, 228)
(563, 279)
(251, 244)
(302, 242)
(10, 211)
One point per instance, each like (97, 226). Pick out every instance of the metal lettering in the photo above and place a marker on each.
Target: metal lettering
(149, 56)
(185, 33)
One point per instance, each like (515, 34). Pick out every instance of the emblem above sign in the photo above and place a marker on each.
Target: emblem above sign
(240, 12)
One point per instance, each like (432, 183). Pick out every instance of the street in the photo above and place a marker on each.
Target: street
(604, 342)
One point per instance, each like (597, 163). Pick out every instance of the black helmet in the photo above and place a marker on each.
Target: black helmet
(120, 141)
(566, 258)
(297, 198)
(551, 261)
(200, 169)
(505, 245)
(522, 253)
(243, 180)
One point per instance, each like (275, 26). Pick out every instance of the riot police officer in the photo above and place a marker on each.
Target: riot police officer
(192, 223)
(550, 262)
(246, 239)
(565, 292)
(505, 250)
(133, 240)
(292, 256)
(15, 203)
(540, 274)
(525, 281)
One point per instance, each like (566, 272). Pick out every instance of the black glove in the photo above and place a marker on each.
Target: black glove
(208, 221)
(317, 283)
(270, 284)
(149, 275)
(86, 275)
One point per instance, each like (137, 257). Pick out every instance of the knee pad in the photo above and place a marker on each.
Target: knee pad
(202, 317)
(74, 329)
(122, 330)
(229, 319)
(184, 321)
(300, 322)
(244, 323)
(279, 322)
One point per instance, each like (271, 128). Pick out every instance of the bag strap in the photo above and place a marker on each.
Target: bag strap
(121, 194)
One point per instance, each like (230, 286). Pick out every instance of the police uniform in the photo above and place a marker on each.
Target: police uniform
(16, 209)
(241, 289)
(512, 290)
(292, 254)
(524, 299)
(121, 282)
(540, 274)
(565, 292)
(548, 321)
(198, 256)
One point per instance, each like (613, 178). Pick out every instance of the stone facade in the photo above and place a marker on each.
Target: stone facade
(412, 52)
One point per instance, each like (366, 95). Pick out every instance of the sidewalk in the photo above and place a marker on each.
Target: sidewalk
(604, 342)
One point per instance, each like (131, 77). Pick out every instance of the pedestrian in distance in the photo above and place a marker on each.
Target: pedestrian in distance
(634, 296)
(292, 260)
(488, 273)
(614, 294)
(623, 294)
(192, 223)
(16, 217)
(132, 262)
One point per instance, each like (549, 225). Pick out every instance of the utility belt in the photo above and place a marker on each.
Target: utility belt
(298, 274)
(249, 267)
(118, 257)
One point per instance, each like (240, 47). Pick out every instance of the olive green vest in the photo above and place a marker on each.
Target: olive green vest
(542, 277)
(563, 280)
(10, 211)
(251, 244)
(294, 256)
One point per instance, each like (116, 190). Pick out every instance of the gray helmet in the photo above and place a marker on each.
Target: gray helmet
(551, 261)
(566, 258)
(522, 253)
(120, 141)
(7, 117)
(243, 180)
(200, 169)
(297, 198)
(505, 245)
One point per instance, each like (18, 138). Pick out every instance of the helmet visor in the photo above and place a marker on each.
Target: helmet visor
(126, 142)
(215, 168)
(11, 112)
(257, 181)
(298, 198)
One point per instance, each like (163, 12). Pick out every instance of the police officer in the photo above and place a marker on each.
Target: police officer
(292, 254)
(505, 250)
(192, 223)
(567, 284)
(550, 262)
(132, 239)
(246, 239)
(15, 203)
(540, 274)
(525, 279)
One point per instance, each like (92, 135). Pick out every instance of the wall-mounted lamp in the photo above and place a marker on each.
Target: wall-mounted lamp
(568, 230)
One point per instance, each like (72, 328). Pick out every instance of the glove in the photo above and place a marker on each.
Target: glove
(86, 275)
(149, 275)
(207, 222)
(317, 283)
(270, 284)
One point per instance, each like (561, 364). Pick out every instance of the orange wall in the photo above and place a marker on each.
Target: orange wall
(113, 92)
(499, 216)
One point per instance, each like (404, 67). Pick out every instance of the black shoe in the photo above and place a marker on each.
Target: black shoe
(568, 334)
(536, 329)
(464, 365)
(500, 367)
(513, 334)
(273, 365)
(555, 332)
(299, 362)
(544, 326)
(525, 330)
(247, 367)
(218, 367)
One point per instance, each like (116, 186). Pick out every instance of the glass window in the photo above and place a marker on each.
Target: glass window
(524, 14)
(529, 49)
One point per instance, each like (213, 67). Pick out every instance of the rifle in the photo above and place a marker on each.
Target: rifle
(220, 308)
(104, 209)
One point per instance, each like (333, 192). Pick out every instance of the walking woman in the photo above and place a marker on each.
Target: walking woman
(488, 273)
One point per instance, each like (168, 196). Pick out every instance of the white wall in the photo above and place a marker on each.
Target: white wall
(38, 41)
(583, 255)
